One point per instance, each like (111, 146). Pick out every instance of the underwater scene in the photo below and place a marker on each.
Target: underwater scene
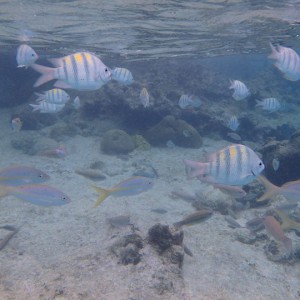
(149, 150)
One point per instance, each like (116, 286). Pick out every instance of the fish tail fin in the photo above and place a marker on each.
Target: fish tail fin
(40, 97)
(258, 103)
(103, 194)
(274, 53)
(194, 168)
(35, 107)
(48, 74)
(231, 84)
(270, 189)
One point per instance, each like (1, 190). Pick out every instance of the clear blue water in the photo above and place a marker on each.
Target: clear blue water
(172, 48)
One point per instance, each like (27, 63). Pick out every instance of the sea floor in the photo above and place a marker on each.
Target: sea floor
(65, 252)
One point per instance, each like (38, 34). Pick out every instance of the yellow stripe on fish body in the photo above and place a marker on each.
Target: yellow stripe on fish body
(234, 165)
(83, 71)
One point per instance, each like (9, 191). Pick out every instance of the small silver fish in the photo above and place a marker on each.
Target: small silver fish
(269, 104)
(76, 102)
(26, 56)
(145, 98)
(234, 136)
(233, 123)
(240, 90)
(186, 101)
(275, 164)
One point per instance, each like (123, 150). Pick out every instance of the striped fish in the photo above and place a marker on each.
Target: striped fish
(287, 61)
(145, 98)
(122, 75)
(269, 104)
(234, 165)
(240, 90)
(26, 56)
(55, 96)
(233, 123)
(46, 107)
(80, 71)
(186, 101)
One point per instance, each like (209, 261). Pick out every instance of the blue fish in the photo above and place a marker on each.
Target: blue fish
(129, 187)
(22, 175)
(38, 194)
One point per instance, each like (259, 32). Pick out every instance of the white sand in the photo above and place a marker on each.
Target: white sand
(64, 252)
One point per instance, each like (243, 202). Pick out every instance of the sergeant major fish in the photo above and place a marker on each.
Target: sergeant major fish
(80, 71)
(129, 187)
(269, 104)
(287, 61)
(46, 107)
(240, 90)
(26, 56)
(55, 96)
(122, 75)
(233, 165)
(233, 123)
(186, 101)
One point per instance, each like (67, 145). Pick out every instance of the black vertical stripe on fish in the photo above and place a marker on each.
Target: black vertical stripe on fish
(248, 160)
(86, 67)
(239, 160)
(218, 165)
(289, 59)
(95, 71)
(227, 158)
(66, 76)
(210, 167)
(75, 69)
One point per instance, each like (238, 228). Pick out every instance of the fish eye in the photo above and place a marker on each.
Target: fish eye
(41, 175)
(106, 70)
(32, 54)
(260, 164)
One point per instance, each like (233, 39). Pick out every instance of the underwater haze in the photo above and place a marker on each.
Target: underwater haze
(149, 150)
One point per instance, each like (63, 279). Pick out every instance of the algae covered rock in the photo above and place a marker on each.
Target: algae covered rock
(116, 141)
(176, 130)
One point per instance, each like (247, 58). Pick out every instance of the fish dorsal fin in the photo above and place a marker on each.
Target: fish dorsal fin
(56, 62)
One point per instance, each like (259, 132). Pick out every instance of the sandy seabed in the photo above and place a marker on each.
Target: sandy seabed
(64, 252)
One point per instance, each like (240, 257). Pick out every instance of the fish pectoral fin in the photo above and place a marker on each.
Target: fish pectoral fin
(61, 84)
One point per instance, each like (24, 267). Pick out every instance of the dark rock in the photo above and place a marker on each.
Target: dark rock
(116, 141)
(130, 255)
(176, 130)
(160, 236)
(288, 155)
